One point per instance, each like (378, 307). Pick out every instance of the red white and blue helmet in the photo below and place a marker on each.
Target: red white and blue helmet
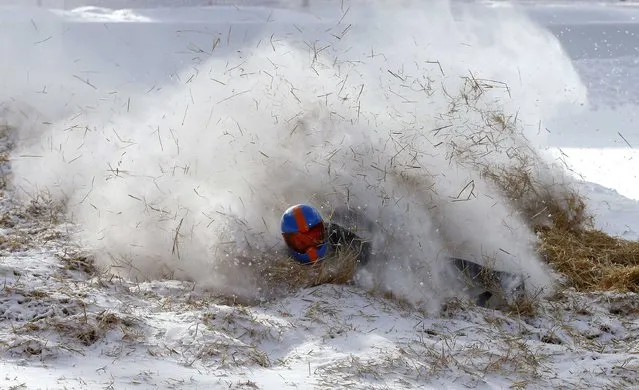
(303, 231)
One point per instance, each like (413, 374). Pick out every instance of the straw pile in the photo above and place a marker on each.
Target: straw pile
(590, 259)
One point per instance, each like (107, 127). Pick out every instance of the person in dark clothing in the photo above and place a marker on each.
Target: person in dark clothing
(311, 240)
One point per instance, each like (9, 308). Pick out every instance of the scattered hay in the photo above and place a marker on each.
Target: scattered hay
(6, 220)
(86, 328)
(4, 160)
(523, 307)
(591, 259)
(544, 196)
(78, 262)
(43, 206)
(15, 242)
(337, 269)
(556, 205)
(6, 145)
(31, 347)
(278, 275)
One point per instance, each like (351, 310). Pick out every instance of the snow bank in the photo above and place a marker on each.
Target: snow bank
(181, 179)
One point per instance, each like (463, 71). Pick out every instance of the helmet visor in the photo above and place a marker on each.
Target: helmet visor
(302, 242)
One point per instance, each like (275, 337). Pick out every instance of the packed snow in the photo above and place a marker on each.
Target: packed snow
(118, 112)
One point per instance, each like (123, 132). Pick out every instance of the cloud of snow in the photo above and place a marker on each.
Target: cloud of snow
(184, 180)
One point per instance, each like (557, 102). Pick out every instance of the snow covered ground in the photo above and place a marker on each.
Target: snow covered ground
(62, 328)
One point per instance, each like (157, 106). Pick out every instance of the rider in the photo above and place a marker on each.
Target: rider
(310, 240)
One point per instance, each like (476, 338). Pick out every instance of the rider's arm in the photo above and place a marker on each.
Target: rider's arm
(340, 237)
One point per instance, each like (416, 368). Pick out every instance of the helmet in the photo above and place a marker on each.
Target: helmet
(303, 231)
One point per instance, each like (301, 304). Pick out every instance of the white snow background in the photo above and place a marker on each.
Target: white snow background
(215, 118)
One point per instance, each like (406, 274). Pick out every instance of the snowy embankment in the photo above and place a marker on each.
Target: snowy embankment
(67, 325)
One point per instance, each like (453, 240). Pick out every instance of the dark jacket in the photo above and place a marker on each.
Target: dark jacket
(341, 238)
